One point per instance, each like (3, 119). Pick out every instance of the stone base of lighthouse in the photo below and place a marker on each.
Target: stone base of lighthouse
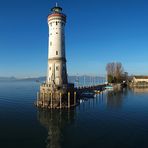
(56, 97)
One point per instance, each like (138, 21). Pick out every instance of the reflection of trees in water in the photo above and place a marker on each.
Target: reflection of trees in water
(115, 98)
(55, 121)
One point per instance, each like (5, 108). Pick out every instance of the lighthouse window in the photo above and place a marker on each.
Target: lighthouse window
(56, 23)
(56, 52)
(57, 68)
(56, 33)
(50, 43)
(50, 68)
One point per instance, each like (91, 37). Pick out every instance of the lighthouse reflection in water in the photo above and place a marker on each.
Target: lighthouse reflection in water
(55, 121)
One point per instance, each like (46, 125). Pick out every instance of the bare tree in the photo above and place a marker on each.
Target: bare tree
(118, 71)
(110, 68)
(114, 72)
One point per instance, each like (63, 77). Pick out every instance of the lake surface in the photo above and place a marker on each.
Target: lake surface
(111, 120)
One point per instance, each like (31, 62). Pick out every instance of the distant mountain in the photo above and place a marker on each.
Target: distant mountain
(22, 79)
(33, 79)
(78, 80)
(7, 78)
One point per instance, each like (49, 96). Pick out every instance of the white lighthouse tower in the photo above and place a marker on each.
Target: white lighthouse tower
(56, 92)
(56, 72)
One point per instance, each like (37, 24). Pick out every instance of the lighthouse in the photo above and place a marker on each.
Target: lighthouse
(56, 71)
(56, 92)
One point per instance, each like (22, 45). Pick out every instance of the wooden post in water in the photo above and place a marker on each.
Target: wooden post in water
(43, 100)
(75, 98)
(48, 98)
(60, 100)
(68, 99)
(51, 101)
(37, 103)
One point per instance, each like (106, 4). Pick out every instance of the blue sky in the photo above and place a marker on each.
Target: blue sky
(97, 32)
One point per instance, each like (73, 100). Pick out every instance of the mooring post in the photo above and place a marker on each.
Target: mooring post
(74, 98)
(37, 103)
(51, 101)
(60, 100)
(43, 100)
(48, 98)
(68, 99)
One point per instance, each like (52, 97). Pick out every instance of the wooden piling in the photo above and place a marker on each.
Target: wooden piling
(60, 100)
(37, 103)
(68, 99)
(51, 101)
(43, 100)
(48, 98)
(75, 98)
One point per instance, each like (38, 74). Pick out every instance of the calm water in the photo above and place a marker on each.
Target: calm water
(111, 120)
